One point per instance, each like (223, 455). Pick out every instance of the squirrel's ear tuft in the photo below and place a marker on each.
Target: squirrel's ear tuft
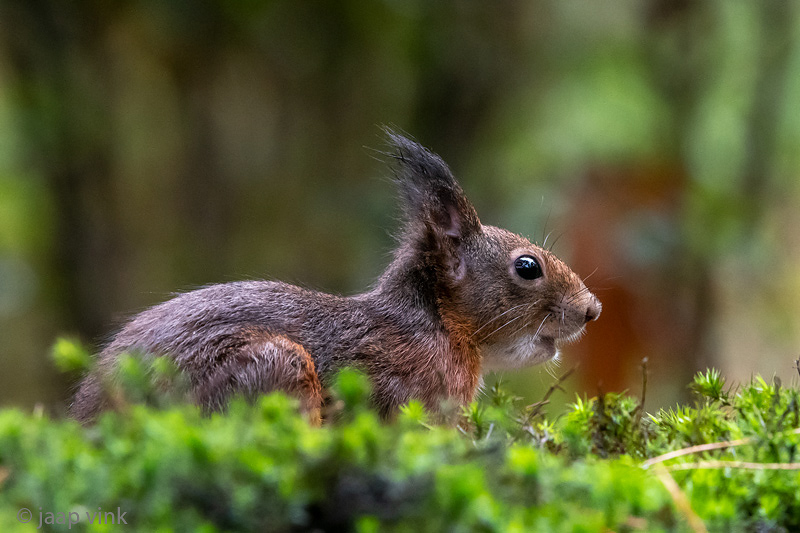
(430, 191)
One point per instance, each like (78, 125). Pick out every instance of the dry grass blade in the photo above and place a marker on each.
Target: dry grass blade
(640, 408)
(732, 464)
(705, 448)
(695, 449)
(535, 409)
(680, 499)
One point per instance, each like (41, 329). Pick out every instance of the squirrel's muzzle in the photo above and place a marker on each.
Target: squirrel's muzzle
(593, 309)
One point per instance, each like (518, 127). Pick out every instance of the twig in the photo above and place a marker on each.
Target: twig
(732, 464)
(680, 499)
(695, 449)
(557, 385)
(705, 448)
(537, 407)
(640, 408)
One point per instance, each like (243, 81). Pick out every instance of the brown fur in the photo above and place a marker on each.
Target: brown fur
(449, 306)
(264, 362)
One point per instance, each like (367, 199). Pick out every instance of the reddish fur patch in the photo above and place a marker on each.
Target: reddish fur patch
(261, 363)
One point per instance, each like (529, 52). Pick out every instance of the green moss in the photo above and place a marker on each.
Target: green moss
(502, 467)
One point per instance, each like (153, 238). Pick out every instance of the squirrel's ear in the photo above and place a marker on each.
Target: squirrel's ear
(431, 193)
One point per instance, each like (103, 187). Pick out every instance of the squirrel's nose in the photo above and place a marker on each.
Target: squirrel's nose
(593, 310)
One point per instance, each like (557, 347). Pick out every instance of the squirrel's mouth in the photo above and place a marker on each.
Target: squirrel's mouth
(518, 352)
(549, 344)
(528, 348)
(563, 337)
(569, 338)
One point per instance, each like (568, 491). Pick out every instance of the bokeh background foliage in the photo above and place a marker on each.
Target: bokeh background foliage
(154, 146)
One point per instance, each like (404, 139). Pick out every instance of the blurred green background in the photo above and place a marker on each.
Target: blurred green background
(152, 146)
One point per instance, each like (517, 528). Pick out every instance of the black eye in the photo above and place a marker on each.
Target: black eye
(528, 267)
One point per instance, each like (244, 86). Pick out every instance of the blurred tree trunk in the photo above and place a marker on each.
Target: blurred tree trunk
(60, 69)
(682, 60)
(777, 20)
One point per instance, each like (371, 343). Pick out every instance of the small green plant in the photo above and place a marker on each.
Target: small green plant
(726, 463)
(710, 385)
(69, 356)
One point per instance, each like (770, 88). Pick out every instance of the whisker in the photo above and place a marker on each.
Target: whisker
(554, 242)
(551, 365)
(544, 229)
(524, 325)
(574, 295)
(501, 327)
(500, 316)
(539, 329)
(544, 243)
(592, 274)
(612, 278)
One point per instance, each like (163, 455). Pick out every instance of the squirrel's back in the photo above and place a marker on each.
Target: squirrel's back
(192, 327)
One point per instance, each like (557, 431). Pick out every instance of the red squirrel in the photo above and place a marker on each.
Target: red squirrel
(459, 298)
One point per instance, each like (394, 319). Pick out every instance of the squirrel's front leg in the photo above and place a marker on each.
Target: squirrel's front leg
(265, 362)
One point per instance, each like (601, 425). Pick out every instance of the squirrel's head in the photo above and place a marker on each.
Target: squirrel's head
(512, 299)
